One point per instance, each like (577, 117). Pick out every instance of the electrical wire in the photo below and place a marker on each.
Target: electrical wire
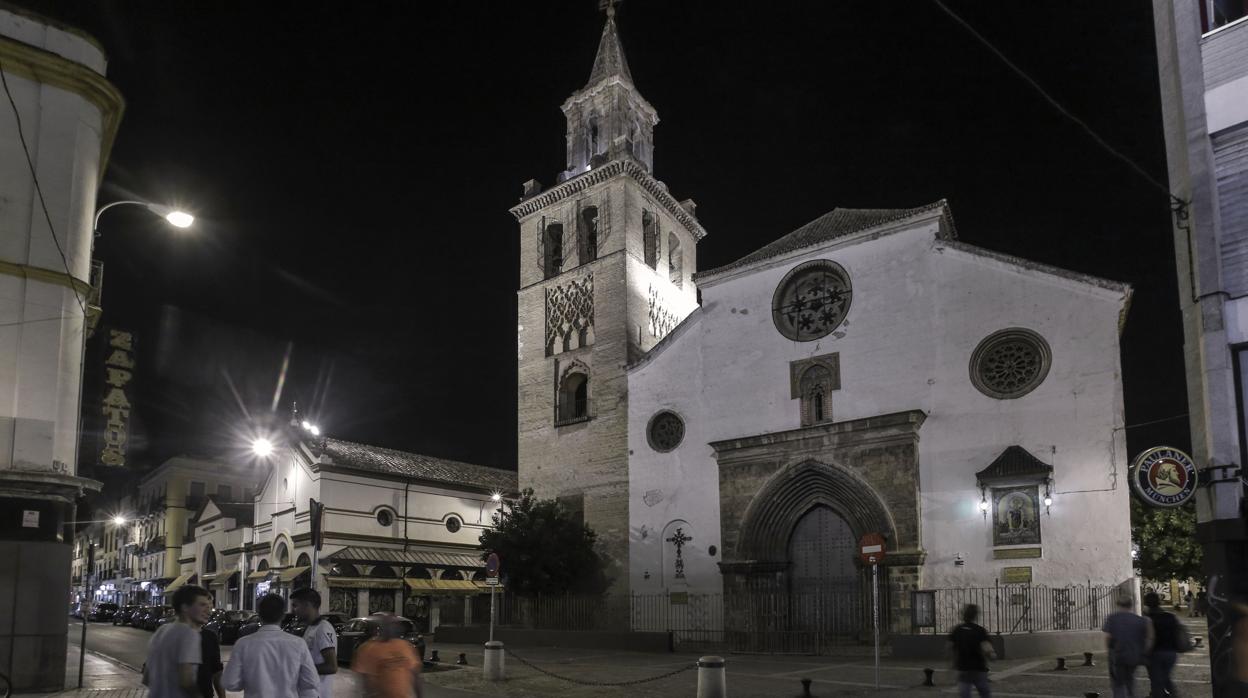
(30, 163)
(1058, 106)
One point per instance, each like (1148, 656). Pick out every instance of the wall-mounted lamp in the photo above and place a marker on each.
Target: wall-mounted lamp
(1048, 495)
(983, 501)
(958, 561)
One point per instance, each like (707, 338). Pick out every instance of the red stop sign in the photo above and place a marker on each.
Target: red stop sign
(871, 549)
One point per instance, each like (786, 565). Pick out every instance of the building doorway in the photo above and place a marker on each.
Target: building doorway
(825, 584)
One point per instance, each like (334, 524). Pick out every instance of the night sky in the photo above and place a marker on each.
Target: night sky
(351, 166)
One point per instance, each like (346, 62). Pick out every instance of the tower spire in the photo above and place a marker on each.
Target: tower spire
(610, 60)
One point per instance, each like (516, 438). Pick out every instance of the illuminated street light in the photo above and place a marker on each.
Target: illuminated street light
(262, 447)
(175, 217)
(316, 431)
(496, 497)
(119, 520)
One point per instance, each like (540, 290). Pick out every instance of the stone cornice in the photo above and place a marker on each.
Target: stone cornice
(624, 167)
(897, 426)
(39, 65)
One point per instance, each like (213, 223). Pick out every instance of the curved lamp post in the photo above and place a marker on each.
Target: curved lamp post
(176, 217)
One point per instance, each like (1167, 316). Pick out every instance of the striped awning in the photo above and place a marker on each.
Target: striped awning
(388, 556)
(364, 582)
(442, 585)
(177, 583)
(290, 574)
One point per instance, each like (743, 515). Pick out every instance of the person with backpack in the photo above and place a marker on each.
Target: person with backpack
(1168, 640)
(1128, 637)
(971, 652)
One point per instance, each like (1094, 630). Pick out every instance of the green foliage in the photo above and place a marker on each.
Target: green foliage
(1167, 541)
(544, 549)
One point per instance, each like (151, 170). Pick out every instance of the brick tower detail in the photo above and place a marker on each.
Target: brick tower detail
(606, 264)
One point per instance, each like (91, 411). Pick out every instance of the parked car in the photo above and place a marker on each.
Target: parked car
(136, 618)
(166, 617)
(122, 616)
(102, 612)
(75, 609)
(151, 619)
(253, 624)
(227, 624)
(359, 630)
(297, 626)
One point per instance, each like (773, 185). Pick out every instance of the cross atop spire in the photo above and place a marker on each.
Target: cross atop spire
(610, 59)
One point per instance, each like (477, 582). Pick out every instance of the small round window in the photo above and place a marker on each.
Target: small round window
(1010, 363)
(666, 431)
(453, 524)
(385, 517)
(812, 300)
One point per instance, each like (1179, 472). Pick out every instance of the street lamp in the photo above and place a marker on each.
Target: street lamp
(262, 447)
(119, 520)
(175, 217)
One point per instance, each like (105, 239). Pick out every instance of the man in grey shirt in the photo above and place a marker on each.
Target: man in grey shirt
(1129, 638)
(175, 652)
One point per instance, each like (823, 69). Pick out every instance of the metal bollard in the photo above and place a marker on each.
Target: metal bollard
(806, 688)
(493, 663)
(462, 660)
(433, 656)
(1198, 641)
(1061, 664)
(712, 682)
(927, 677)
(1087, 659)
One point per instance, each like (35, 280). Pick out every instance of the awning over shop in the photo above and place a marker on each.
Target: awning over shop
(258, 576)
(364, 582)
(221, 579)
(290, 574)
(177, 583)
(442, 585)
(427, 558)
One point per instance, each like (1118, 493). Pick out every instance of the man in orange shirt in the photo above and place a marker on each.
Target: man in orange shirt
(388, 662)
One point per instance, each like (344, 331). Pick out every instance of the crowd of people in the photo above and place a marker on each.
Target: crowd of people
(184, 659)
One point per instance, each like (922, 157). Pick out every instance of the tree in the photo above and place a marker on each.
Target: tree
(1166, 540)
(543, 548)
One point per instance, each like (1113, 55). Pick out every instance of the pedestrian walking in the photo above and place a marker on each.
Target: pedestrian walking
(320, 635)
(176, 651)
(1188, 597)
(1166, 647)
(388, 663)
(1128, 638)
(1202, 603)
(971, 652)
(208, 678)
(270, 663)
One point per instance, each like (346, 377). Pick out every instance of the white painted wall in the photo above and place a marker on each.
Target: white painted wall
(919, 309)
(41, 323)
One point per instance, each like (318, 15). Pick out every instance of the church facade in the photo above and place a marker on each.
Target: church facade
(738, 430)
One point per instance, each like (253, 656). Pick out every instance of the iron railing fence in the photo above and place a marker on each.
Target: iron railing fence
(1006, 609)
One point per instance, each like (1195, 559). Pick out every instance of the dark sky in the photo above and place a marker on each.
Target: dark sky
(352, 164)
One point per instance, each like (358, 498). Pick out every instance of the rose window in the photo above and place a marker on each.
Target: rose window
(666, 431)
(1010, 363)
(812, 300)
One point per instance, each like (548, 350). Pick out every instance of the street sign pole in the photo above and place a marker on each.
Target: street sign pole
(875, 617)
(85, 608)
(492, 612)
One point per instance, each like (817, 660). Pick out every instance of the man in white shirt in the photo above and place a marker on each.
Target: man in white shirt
(320, 635)
(175, 652)
(270, 663)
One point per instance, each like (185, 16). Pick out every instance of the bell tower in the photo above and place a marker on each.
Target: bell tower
(606, 265)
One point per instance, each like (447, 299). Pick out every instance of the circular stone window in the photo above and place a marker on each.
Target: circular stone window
(1010, 363)
(666, 431)
(385, 517)
(812, 300)
(453, 524)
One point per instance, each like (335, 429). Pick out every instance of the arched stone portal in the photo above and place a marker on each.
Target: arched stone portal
(792, 508)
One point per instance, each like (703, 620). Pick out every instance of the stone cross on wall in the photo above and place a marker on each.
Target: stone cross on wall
(679, 539)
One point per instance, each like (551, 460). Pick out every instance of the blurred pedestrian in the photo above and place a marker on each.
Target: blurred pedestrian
(1165, 652)
(1128, 638)
(270, 663)
(388, 663)
(420, 647)
(176, 650)
(1202, 603)
(971, 652)
(320, 635)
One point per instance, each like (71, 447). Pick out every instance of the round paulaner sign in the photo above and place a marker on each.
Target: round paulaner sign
(1164, 476)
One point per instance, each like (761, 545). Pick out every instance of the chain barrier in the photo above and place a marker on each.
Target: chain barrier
(583, 682)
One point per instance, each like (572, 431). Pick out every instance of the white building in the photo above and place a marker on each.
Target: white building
(68, 115)
(866, 373)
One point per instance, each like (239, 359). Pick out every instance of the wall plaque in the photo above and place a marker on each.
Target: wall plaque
(1016, 575)
(1015, 553)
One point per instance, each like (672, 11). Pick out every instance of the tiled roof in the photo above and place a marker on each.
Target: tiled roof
(345, 454)
(433, 558)
(610, 59)
(837, 223)
(1014, 462)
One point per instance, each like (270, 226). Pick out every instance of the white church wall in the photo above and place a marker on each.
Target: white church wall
(917, 314)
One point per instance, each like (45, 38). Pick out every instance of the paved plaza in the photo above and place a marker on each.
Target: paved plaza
(117, 652)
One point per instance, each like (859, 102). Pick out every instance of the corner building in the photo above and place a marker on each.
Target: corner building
(865, 373)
